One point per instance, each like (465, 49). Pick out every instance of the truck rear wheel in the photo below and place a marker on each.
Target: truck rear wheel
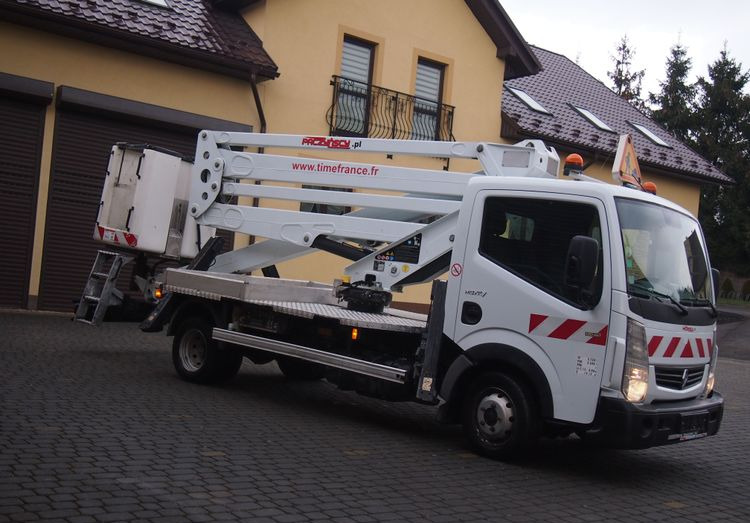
(197, 358)
(296, 369)
(500, 418)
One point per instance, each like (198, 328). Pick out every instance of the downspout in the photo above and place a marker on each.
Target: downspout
(271, 271)
(259, 107)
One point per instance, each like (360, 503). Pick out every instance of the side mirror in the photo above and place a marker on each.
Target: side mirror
(581, 262)
(716, 276)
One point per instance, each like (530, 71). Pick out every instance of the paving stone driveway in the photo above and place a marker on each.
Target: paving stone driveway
(95, 426)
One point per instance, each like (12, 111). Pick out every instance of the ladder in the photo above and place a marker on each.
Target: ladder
(100, 292)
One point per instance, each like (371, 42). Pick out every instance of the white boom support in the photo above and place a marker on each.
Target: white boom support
(408, 251)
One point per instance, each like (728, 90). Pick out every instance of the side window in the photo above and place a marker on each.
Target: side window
(530, 238)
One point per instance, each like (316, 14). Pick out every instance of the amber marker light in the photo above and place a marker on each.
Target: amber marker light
(158, 294)
(573, 164)
(649, 187)
(355, 334)
(574, 159)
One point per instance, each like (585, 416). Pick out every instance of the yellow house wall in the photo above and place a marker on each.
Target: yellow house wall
(305, 40)
(65, 61)
(683, 193)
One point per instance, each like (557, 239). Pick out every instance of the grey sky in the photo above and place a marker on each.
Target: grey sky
(588, 31)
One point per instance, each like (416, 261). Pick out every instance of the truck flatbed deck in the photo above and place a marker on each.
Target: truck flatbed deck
(306, 299)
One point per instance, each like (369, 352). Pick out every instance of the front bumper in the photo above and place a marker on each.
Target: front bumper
(625, 425)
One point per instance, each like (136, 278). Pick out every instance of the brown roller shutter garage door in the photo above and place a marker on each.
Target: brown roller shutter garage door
(20, 148)
(22, 108)
(83, 141)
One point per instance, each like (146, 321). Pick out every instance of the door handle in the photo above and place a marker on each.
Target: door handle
(471, 313)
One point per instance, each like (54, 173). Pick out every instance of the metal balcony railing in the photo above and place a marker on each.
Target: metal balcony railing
(366, 110)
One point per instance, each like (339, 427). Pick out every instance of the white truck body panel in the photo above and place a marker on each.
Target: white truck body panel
(144, 201)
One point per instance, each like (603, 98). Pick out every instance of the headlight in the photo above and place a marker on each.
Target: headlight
(712, 368)
(635, 371)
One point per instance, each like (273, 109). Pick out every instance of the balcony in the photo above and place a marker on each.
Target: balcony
(365, 110)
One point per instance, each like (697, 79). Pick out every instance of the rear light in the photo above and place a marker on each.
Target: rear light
(635, 371)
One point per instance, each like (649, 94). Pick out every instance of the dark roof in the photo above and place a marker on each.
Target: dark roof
(561, 85)
(511, 47)
(197, 33)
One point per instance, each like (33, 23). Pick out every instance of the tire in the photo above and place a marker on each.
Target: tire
(500, 417)
(296, 369)
(197, 358)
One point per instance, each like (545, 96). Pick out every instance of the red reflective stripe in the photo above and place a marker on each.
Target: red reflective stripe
(671, 348)
(567, 329)
(699, 342)
(100, 231)
(653, 344)
(132, 239)
(687, 352)
(600, 338)
(710, 345)
(535, 320)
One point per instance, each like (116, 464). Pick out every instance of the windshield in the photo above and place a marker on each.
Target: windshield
(664, 253)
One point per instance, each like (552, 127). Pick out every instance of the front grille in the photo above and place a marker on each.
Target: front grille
(674, 377)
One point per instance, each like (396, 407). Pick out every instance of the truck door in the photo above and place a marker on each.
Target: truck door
(513, 291)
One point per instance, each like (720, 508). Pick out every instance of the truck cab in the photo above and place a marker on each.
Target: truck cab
(616, 355)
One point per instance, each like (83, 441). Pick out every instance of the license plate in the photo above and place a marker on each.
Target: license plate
(693, 427)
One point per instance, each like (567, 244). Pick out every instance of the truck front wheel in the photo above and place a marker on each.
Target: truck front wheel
(500, 417)
(197, 358)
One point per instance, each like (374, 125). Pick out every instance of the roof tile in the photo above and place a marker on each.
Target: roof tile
(562, 84)
(195, 25)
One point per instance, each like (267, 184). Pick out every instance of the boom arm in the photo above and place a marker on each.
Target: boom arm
(410, 252)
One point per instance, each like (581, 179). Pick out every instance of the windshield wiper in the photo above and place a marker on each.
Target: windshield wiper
(703, 303)
(652, 292)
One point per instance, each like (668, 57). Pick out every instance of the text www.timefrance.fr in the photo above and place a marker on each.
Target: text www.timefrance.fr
(336, 168)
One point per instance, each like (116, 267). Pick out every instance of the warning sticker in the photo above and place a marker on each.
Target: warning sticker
(456, 269)
(586, 366)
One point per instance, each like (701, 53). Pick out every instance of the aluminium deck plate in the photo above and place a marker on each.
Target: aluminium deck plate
(365, 320)
(305, 299)
(215, 286)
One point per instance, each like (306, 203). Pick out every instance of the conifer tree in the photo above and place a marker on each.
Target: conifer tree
(676, 98)
(722, 134)
(625, 81)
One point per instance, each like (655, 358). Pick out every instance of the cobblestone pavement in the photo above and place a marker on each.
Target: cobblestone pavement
(734, 332)
(95, 426)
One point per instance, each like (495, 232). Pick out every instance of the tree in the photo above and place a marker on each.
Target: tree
(722, 133)
(676, 98)
(626, 82)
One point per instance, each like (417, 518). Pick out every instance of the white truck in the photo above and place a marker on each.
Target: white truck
(569, 306)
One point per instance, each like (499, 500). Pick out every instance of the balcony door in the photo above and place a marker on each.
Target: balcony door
(352, 105)
(428, 98)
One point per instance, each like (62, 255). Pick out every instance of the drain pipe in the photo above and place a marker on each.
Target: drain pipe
(259, 107)
(271, 271)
